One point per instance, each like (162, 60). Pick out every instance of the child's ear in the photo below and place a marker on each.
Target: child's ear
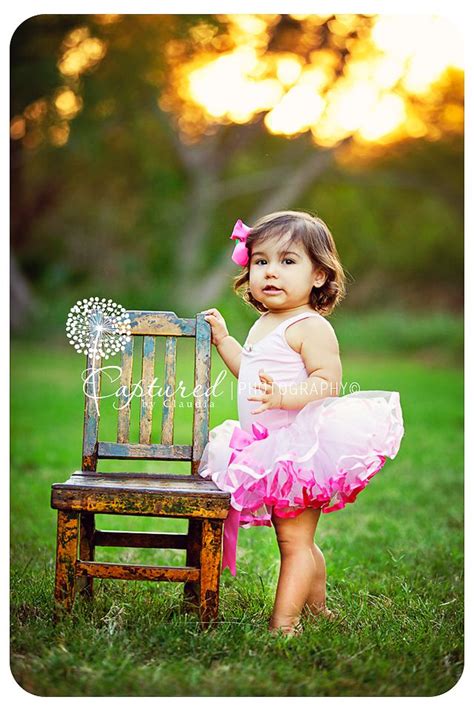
(320, 279)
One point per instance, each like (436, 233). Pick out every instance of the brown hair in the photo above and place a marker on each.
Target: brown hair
(314, 235)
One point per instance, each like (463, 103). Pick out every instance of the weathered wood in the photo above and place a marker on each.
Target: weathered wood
(160, 323)
(84, 584)
(210, 560)
(66, 556)
(191, 598)
(91, 413)
(137, 539)
(123, 419)
(202, 380)
(143, 503)
(167, 479)
(147, 400)
(88, 492)
(169, 397)
(114, 450)
(137, 572)
(168, 484)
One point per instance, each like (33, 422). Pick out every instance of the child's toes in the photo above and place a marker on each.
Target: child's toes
(320, 612)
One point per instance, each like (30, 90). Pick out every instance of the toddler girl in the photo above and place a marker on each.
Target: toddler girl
(300, 447)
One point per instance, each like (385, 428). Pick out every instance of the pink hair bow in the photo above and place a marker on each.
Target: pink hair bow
(240, 255)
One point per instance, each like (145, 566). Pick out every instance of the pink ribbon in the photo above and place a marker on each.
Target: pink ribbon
(240, 255)
(239, 440)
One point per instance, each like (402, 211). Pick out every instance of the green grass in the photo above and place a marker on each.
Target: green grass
(394, 562)
(434, 337)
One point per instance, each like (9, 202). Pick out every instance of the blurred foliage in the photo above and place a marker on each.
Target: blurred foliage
(110, 197)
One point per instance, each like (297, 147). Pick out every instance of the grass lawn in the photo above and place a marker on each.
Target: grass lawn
(394, 561)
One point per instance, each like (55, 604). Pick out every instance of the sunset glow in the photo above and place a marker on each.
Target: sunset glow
(239, 95)
(374, 78)
(81, 52)
(368, 101)
(67, 103)
(430, 44)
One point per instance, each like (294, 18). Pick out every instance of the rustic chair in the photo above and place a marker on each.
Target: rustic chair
(89, 492)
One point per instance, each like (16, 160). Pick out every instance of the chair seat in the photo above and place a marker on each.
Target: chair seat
(137, 493)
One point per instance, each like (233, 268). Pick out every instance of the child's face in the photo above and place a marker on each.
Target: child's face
(292, 272)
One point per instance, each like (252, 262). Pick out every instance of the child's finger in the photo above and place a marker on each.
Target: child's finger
(265, 376)
(263, 387)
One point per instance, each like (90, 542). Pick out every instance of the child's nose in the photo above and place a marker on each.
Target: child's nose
(271, 269)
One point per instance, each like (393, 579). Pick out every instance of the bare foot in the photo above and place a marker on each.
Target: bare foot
(287, 630)
(319, 612)
(329, 614)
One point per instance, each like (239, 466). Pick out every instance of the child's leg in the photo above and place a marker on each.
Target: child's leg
(316, 601)
(298, 569)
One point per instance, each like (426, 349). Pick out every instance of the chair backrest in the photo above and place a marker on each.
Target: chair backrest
(151, 324)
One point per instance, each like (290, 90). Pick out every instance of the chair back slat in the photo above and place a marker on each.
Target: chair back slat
(123, 420)
(112, 450)
(151, 324)
(91, 414)
(202, 378)
(160, 323)
(148, 374)
(169, 398)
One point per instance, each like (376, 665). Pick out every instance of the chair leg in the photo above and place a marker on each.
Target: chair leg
(66, 556)
(210, 570)
(85, 583)
(191, 590)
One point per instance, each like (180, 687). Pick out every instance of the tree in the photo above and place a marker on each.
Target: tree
(206, 97)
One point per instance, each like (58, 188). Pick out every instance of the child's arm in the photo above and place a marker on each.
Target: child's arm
(228, 348)
(320, 354)
(230, 351)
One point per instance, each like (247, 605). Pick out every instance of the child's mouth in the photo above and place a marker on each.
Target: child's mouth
(271, 290)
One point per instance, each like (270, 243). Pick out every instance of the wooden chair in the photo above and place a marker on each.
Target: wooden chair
(89, 492)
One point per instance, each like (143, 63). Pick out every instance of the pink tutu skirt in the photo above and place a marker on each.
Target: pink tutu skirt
(323, 459)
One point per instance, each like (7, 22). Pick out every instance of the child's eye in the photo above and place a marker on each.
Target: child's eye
(285, 260)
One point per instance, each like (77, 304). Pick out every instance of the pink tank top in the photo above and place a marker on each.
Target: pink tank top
(272, 354)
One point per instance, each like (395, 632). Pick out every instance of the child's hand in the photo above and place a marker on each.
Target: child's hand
(217, 324)
(271, 395)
